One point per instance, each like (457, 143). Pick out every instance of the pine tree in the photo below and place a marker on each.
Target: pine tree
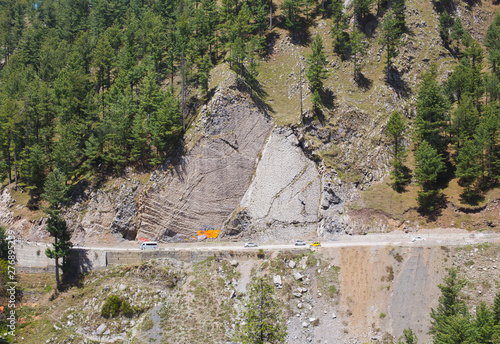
(55, 189)
(337, 9)
(4, 248)
(492, 42)
(468, 165)
(358, 49)
(399, 8)
(293, 10)
(429, 164)
(55, 195)
(450, 301)
(432, 108)
(408, 337)
(61, 249)
(483, 324)
(457, 32)
(263, 319)
(456, 329)
(445, 22)
(339, 35)
(486, 138)
(390, 35)
(316, 71)
(464, 121)
(395, 128)
(496, 309)
(166, 125)
(361, 10)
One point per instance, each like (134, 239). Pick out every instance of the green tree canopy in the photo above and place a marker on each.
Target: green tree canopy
(264, 322)
(55, 189)
(316, 72)
(57, 228)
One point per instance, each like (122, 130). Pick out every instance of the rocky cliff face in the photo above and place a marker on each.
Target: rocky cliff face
(239, 175)
(212, 178)
(285, 192)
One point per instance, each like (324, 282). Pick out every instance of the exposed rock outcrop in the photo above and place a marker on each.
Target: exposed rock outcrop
(208, 184)
(286, 187)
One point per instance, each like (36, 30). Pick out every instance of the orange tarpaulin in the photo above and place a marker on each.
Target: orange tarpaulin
(209, 233)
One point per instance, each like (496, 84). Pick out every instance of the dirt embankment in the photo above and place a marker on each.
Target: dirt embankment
(352, 295)
(388, 289)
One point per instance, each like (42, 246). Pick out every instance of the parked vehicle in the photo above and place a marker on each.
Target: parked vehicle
(417, 238)
(149, 245)
(299, 243)
(316, 243)
(250, 244)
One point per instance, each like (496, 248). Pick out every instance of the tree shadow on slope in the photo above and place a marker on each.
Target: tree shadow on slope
(394, 79)
(249, 84)
(440, 202)
(371, 23)
(328, 98)
(363, 82)
(300, 33)
(401, 187)
(271, 39)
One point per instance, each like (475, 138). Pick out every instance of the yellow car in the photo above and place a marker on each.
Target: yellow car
(316, 243)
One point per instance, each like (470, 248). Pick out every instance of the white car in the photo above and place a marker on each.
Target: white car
(299, 243)
(417, 238)
(149, 245)
(250, 244)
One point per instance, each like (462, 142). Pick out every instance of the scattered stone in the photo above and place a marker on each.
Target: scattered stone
(277, 281)
(292, 264)
(298, 276)
(297, 294)
(100, 330)
(122, 287)
(334, 316)
(234, 263)
(305, 324)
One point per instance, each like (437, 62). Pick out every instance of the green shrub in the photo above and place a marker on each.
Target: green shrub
(311, 261)
(126, 309)
(112, 306)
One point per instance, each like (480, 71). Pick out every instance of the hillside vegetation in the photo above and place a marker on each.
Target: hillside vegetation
(348, 295)
(91, 88)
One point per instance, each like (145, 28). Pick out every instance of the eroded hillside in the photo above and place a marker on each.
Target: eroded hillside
(348, 295)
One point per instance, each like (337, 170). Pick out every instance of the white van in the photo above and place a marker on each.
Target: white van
(150, 245)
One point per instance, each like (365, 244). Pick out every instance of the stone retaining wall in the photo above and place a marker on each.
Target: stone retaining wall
(31, 257)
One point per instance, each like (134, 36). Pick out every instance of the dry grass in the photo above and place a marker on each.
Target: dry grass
(20, 207)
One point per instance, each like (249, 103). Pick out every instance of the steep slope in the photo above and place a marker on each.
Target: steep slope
(312, 175)
(355, 294)
(214, 175)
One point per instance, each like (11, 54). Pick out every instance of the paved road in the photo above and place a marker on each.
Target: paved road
(397, 239)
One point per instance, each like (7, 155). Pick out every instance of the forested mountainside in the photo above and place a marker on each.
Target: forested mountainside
(95, 90)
